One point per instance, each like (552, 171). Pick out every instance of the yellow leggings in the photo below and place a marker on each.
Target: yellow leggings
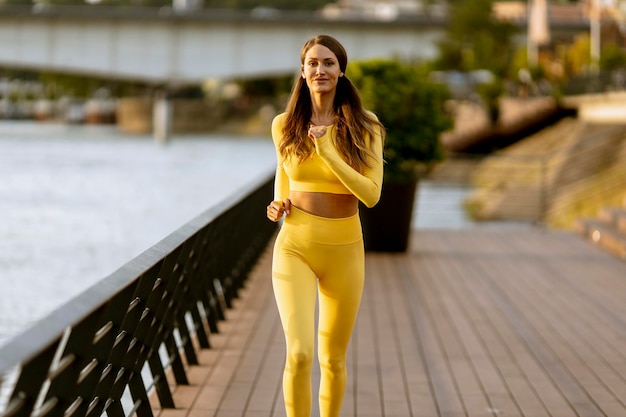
(316, 254)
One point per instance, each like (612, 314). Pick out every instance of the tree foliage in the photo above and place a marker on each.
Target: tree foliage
(475, 39)
(577, 58)
(612, 58)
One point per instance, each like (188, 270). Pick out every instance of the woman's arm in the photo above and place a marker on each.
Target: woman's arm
(365, 186)
(281, 181)
(281, 203)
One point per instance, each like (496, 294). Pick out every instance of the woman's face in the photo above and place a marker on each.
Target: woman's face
(321, 69)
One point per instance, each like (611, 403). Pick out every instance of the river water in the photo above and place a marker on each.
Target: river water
(77, 202)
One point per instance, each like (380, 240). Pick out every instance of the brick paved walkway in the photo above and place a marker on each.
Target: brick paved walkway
(479, 322)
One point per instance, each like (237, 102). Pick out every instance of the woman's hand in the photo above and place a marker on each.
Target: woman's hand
(277, 208)
(316, 132)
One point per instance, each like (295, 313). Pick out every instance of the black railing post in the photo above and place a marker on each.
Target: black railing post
(32, 377)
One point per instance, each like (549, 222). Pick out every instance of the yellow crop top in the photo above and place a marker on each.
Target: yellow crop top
(326, 171)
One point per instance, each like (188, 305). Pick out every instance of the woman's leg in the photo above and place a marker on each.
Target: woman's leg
(295, 290)
(340, 290)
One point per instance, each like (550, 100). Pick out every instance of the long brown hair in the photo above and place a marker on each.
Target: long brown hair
(352, 121)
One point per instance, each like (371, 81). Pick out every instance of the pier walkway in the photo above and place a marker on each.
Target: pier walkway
(476, 322)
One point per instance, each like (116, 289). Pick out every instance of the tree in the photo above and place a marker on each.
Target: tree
(577, 58)
(612, 58)
(476, 39)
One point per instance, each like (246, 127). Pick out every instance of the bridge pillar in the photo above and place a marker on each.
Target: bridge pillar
(162, 118)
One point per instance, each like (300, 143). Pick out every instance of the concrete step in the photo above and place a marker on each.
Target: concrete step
(604, 235)
(614, 216)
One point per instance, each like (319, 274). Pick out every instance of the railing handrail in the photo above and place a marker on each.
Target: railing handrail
(183, 251)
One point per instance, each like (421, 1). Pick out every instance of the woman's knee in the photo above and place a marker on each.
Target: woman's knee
(300, 360)
(336, 365)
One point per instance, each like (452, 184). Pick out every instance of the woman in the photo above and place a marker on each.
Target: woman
(329, 152)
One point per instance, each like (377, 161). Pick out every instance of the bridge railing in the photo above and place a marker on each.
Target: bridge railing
(109, 348)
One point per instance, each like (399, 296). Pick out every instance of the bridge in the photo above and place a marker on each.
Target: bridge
(165, 47)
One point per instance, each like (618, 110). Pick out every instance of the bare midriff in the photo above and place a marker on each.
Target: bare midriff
(325, 204)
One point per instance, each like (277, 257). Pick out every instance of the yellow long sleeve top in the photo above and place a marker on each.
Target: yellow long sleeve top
(326, 171)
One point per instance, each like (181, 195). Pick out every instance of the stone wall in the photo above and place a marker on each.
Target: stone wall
(555, 176)
(518, 117)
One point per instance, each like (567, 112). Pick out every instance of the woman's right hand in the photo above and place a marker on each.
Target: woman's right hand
(316, 131)
(277, 208)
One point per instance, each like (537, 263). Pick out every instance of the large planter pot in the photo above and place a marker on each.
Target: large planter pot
(387, 226)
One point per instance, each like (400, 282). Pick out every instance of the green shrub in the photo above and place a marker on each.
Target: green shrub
(412, 110)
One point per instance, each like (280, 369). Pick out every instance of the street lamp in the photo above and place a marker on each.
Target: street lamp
(538, 29)
(617, 10)
(594, 34)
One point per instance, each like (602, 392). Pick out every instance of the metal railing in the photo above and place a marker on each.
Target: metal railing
(110, 347)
